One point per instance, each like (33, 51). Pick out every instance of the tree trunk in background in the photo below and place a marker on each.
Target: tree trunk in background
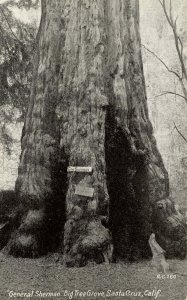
(88, 108)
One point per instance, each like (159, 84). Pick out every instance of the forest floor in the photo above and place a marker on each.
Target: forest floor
(44, 279)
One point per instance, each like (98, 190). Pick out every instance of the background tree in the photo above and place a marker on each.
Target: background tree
(181, 73)
(16, 48)
(88, 107)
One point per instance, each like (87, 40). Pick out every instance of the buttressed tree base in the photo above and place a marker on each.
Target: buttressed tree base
(90, 174)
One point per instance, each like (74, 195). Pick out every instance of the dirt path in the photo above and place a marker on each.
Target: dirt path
(39, 276)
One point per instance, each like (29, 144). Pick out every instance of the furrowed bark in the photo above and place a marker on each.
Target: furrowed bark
(83, 130)
(38, 186)
(136, 176)
(88, 108)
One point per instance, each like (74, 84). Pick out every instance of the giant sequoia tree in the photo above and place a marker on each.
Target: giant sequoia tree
(88, 108)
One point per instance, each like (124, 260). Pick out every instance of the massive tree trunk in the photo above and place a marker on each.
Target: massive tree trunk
(88, 108)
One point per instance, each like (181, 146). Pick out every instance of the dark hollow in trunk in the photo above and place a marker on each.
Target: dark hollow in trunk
(88, 108)
(129, 209)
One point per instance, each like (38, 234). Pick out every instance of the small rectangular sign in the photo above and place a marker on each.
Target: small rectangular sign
(80, 169)
(85, 191)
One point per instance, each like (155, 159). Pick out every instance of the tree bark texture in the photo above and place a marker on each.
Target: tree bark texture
(88, 107)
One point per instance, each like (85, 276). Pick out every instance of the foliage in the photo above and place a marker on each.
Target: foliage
(23, 3)
(16, 49)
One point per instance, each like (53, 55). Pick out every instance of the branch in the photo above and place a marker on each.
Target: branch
(169, 19)
(5, 40)
(17, 39)
(179, 51)
(173, 93)
(184, 138)
(180, 41)
(183, 88)
(173, 25)
(165, 65)
(170, 6)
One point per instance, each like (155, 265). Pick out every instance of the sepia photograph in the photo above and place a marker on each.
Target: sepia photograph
(93, 149)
